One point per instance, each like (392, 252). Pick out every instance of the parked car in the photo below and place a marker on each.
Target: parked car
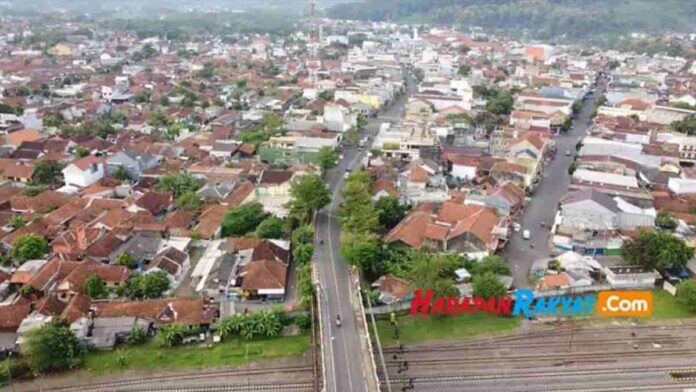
(526, 235)
(567, 153)
(517, 227)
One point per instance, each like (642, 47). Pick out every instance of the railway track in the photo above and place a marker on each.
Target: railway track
(296, 386)
(201, 375)
(563, 358)
(445, 378)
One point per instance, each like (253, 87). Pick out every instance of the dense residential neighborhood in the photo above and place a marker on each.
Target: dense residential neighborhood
(198, 189)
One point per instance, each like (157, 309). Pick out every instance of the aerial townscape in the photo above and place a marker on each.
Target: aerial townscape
(333, 196)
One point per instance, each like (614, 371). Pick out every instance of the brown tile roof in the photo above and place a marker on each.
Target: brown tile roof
(11, 316)
(53, 271)
(103, 247)
(21, 136)
(170, 260)
(239, 194)
(108, 273)
(19, 171)
(178, 219)
(275, 176)
(397, 287)
(264, 274)
(163, 311)
(155, 202)
(210, 220)
(418, 174)
(383, 184)
(84, 163)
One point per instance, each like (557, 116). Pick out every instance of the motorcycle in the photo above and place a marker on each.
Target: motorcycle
(338, 320)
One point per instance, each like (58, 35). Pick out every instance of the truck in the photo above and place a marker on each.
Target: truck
(526, 234)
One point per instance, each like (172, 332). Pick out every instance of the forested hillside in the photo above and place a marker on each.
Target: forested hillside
(591, 19)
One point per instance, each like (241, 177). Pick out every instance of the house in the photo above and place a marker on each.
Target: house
(16, 138)
(468, 229)
(554, 282)
(274, 183)
(84, 172)
(159, 312)
(174, 262)
(631, 277)
(464, 167)
(153, 202)
(392, 289)
(384, 188)
(216, 191)
(132, 162)
(595, 211)
(73, 284)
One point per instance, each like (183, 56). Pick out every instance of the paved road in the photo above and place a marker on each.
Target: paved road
(344, 363)
(544, 203)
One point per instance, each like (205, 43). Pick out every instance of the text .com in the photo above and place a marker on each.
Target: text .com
(524, 303)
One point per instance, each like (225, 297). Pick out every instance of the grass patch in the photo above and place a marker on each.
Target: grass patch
(666, 306)
(228, 353)
(420, 329)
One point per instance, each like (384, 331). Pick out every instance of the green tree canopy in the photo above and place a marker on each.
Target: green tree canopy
(390, 211)
(29, 247)
(357, 213)
(46, 172)
(656, 249)
(493, 264)
(488, 285)
(95, 288)
(243, 219)
(303, 235)
(147, 286)
(189, 201)
(328, 158)
(363, 250)
(665, 220)
(686, 126)
(126, 259)
(686, 293)
(179, 184)
(434, 271)
(308, 194)
(270, 227)
(302, 254)
(54, 347)
(464, 70)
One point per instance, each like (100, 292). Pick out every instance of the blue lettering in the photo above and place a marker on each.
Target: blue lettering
(540, 307)
(523, 302)
(577, 307)
(565, 304)
(552, 305)
(590, 301)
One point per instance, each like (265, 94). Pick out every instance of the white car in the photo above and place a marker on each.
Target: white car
(517, 227)
(526, 234)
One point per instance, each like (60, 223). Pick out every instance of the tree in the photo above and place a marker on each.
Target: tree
(464, 70)
(54, 347)
(171, 335)
(494, 264)
(242, 219)
(121, 174)
(303, 235)
(158, 119)
(363, 250)
(29, 247)
(567, 125)
(271, 227)
(80, 152)
(577, 106)
(16, 221)
(308, 194)
(328, 158)
(390, 212)
(189, 201)
(136, 336)
(326, 95)
(147, 286)
(686, 293)
(126, 259)
(602, 100)
(665, 220)
(95, 288)
(464, 49)
(46, 172)
(179, 184)
(572, 168)
(656, 249)
(164, 100)
(434, 271)
(686, 126)
(488, 286)
(501, 103)
(302, 254)
(357, 213)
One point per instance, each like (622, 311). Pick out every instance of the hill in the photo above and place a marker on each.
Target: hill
(544, 19)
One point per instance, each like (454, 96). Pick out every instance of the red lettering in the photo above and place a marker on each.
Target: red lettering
(453, 306)
(464, 306)
(490, 305)
(438, 306)
(479, 304)
(504, 306)
(420, 304)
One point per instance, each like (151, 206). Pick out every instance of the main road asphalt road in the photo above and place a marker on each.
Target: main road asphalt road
(544, 202)
(344, 364)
